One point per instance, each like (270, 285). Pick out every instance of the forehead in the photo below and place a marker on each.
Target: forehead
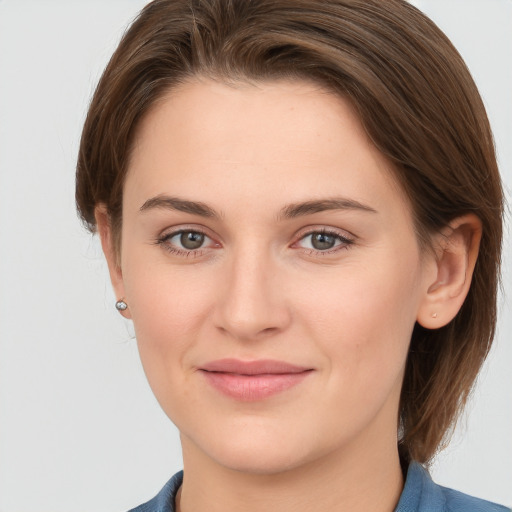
(279, 139)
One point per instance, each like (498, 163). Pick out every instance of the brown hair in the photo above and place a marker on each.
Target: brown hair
(416, 100)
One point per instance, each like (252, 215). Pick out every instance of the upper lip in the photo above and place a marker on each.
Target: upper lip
(257, 367)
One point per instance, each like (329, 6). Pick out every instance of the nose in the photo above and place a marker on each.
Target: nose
(252, 302)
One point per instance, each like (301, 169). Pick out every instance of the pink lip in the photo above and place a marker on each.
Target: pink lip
(253, 380)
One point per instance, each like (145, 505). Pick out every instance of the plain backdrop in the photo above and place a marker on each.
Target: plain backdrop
(79, 427)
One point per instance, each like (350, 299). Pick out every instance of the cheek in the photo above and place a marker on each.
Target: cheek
(363, 318)
(168, 307)
(164, 299)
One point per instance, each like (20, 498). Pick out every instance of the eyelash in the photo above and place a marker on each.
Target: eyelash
(193, 253)
(344, 244)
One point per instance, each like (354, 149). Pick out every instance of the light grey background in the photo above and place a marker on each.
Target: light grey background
(79, 427)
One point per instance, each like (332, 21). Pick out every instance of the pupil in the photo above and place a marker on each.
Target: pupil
(191, 240)
(321, 241)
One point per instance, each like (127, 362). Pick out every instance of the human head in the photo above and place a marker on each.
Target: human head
(415, 99)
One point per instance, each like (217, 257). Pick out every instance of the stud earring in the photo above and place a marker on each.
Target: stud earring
(121, 305)
(434, 315)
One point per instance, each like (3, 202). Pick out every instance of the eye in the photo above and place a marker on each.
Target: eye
(324, 241)
(189, 239)
(186, 242)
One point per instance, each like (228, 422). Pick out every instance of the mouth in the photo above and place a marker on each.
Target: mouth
(248, 381)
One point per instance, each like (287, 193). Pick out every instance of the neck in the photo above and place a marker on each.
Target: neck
(355, 482)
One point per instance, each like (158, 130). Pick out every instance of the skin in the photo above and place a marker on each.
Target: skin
(258, 289)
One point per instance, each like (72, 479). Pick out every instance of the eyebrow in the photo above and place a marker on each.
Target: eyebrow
(294, 210)
(181, 205)
(290, 211)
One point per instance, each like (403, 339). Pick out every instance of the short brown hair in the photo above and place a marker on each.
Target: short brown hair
(414, 96)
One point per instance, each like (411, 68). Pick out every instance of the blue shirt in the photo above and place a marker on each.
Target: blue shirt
(420, 494)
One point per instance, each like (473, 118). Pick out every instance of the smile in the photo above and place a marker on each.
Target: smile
(249, 381)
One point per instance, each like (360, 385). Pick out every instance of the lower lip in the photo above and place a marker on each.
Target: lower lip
(249, 388)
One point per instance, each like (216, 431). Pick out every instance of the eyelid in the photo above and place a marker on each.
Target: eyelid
(330, 230)
(175, 230)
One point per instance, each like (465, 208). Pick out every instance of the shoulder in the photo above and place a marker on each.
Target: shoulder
(164, 500)
(422, 494)
(457, 502)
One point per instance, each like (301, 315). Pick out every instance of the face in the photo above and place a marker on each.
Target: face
(272, 273)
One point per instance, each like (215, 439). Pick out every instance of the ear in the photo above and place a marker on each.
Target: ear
(104, 227)
(456, 252)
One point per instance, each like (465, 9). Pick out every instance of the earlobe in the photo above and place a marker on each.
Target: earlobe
(106, 235)
(456, 249)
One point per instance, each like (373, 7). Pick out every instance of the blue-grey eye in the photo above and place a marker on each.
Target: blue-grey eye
(323, 241)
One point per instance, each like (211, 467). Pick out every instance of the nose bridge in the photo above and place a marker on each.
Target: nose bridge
(252, 304)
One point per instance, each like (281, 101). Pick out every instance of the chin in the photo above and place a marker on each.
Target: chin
(258, 450)
(259, 460)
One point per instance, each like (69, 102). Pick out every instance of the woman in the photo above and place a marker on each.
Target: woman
(301, 211)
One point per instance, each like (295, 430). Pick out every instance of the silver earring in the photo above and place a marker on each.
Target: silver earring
(121, 305)
(434, 315)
